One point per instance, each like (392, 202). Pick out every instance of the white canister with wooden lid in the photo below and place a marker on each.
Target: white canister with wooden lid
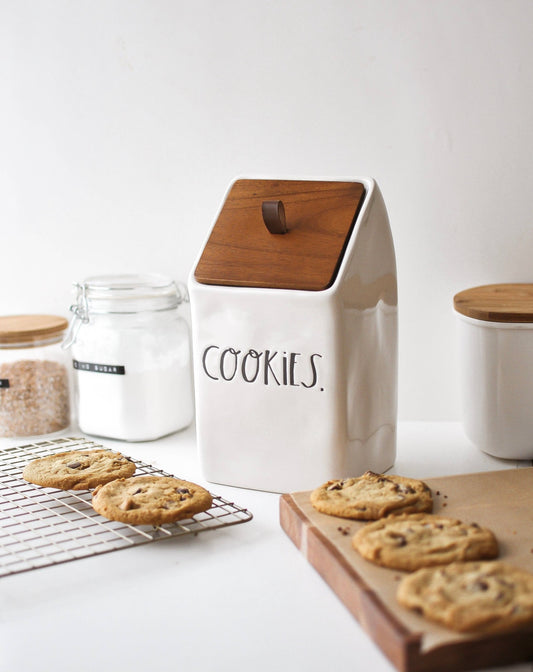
(294, 315)
(34, 377)
(495, 340)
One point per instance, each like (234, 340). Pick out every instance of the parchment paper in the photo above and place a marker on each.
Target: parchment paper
(501, 501)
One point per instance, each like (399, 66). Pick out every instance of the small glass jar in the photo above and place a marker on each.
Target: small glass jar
(131, 356)
(34, 376)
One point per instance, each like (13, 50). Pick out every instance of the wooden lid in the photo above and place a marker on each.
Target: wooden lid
(25, 329)
(497, 303)
(241, 250)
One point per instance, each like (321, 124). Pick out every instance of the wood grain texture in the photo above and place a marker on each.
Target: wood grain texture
(242, 252)
(497, 303)
(28, 328)
(500, 500)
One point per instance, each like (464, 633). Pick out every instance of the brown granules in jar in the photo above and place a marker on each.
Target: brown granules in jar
(37, 400)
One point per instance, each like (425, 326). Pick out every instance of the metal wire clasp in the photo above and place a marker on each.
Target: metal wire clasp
(81, 315)
(182, 292)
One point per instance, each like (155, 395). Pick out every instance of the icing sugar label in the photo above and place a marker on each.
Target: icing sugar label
(99, 368)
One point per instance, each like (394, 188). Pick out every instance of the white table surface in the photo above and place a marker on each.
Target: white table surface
(239, 598)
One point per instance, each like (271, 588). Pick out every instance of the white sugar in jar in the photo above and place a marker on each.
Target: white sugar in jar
(131, 356)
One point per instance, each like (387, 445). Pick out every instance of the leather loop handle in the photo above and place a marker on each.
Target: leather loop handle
(274, 216)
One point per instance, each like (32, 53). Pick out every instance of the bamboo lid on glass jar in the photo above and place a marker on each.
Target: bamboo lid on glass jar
(28, 330)
(497, 303)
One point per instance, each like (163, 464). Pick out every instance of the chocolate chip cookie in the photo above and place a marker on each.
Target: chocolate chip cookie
(411, 541)
(372, 496)
(471, 596)
(150, 500)
(78, 470)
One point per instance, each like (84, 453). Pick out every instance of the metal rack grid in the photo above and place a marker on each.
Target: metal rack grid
(41, 526)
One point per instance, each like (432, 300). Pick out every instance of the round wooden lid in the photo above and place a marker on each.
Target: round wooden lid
(497, 303)
(25, 329)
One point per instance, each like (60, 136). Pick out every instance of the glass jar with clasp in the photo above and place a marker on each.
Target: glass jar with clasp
(130, 349)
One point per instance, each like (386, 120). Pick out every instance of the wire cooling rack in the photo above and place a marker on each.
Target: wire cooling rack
(40, 526)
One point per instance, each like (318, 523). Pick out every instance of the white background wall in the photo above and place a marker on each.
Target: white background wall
(122, 123)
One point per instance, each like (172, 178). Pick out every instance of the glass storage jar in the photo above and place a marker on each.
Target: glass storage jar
(131, 357)
(34, 376)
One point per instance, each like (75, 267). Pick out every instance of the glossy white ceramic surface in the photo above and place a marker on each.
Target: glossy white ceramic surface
(296, 387)
(496, 382)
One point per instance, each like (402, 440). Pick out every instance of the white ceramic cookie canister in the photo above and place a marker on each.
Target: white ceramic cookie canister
(495, 351)
(295, 358)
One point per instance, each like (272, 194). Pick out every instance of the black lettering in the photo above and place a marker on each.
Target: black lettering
(268, 367)
(234, 354)
(204, 360)
(229, 364)
(292, 366)
(284, 369)
(314, 371)
(254, 355)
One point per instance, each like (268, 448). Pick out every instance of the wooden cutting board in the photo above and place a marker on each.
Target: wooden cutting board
(501, 500)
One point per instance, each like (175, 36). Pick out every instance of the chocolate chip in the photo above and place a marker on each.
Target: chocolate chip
(74, 465)
(399, 538)
(335, 486)
(183, 491)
